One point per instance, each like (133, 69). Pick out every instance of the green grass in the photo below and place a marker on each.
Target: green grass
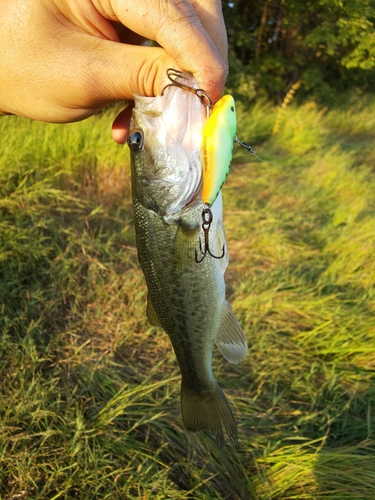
(89, 401)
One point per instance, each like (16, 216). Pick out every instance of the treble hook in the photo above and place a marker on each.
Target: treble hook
(207, 218)
(173, 74)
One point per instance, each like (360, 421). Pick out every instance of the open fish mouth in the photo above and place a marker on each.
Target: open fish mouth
(172, 126)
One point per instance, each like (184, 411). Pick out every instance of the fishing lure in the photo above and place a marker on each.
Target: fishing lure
(218, 138)
(219, 134)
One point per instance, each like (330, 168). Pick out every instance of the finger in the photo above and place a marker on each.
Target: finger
(121, 125)
(127, 36)
(120, 70)
(210, 13)
(178, 29)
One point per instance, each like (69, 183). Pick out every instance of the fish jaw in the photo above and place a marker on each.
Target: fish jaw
(169, 169)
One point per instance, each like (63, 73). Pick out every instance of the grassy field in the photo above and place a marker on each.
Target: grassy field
(90, 392)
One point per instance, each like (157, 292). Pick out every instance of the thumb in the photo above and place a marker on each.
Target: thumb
(143, 71)
(120, 70)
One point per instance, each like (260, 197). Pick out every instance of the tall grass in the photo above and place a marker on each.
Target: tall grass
(90, 392)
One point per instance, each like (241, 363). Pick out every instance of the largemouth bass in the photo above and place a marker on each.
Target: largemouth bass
(185, 297)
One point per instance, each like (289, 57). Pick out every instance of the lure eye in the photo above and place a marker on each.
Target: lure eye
(135, 139)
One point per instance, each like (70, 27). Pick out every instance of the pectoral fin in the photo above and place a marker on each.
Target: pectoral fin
(231, 339)
(185, 243)
(151, 313)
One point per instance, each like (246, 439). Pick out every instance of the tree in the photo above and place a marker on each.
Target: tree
(328, 44)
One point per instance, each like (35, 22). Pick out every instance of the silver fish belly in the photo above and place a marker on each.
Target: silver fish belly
(185, 298)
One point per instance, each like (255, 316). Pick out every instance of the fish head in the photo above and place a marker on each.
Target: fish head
(165, 142)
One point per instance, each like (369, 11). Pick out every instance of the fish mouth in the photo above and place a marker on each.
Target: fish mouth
(194, 202)
(173, 130)
(193, 205)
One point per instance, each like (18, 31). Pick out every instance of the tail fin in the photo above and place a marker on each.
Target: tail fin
(208, 411)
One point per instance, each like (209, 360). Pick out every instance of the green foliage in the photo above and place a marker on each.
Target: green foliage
(90, 392)
(329, 45)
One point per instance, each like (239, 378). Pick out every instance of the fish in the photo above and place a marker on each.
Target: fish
(186, 295)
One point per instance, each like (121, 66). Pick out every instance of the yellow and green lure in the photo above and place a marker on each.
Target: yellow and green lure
(219, 133)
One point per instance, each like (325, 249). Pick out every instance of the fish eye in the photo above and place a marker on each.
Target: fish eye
(135, 139)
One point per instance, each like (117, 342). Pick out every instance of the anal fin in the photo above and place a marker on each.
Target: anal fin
(230, 338)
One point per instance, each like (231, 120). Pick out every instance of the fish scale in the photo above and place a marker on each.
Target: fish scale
(169, 293)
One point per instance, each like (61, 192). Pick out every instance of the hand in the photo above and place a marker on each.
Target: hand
(64, 60)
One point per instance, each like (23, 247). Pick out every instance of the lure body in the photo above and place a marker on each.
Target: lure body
(218, 138)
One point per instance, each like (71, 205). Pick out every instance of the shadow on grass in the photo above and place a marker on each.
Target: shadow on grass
(90, 393)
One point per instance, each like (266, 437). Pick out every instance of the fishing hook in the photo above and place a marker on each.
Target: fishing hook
(207, 218)
(173, 74)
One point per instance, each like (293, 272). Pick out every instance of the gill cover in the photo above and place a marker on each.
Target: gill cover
(218, 138)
